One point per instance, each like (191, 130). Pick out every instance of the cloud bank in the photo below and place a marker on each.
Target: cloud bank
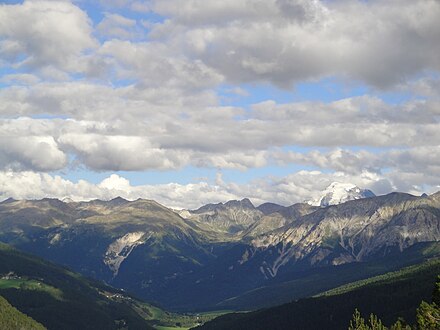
(294, 188)
(166, 85)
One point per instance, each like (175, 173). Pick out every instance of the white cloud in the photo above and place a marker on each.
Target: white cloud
(158, 64)
(30, 185)
(129, 153)
(40, 153)
(39, 34)
(114, 25)
(115, 182)
(128, 129)
(293, 188)
(241, 160)
(425, 159)
(283, 42)
(20, 79)
(171, 95)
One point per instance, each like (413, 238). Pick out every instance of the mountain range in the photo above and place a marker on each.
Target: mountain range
(229, 255)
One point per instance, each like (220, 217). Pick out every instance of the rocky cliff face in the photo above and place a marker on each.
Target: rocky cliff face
(354, 231)
(99, 238)
(279, 217)
(230, 218)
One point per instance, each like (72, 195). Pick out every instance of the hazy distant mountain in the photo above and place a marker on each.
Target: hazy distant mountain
(218, 251)
(241, 219)
(231, 217)
(279, 217)
(337, 193)
(268, 208)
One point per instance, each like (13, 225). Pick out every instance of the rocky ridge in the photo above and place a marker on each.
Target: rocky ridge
(146, 248)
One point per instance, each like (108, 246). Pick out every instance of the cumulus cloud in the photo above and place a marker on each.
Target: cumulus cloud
(30, 185)
(156, 64)
(148, 134)
(413, 160)
(178, 122)
(40, 33)
(232, 160)
(38, 153)
(118, 26)
(121, 153)
(20, 79)
(283, 42)
(126, 93)
(337, 159)
(297, 187)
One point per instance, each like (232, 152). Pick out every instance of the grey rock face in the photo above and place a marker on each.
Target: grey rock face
(230, 218)
(233, 247)
(355, 230)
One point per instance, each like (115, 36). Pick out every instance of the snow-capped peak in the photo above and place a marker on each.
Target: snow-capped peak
(338, 192)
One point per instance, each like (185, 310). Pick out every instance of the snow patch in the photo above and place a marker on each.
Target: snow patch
(338, 193)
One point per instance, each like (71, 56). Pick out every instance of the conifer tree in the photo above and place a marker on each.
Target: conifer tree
(427, 318)
(358, 322)
(428, 315)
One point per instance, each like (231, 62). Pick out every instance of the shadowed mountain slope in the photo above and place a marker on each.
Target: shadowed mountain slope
(389, 296)
(221, 253)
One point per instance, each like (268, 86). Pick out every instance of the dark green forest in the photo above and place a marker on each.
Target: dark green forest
(427, 317)
(389, 297)
(61, 299)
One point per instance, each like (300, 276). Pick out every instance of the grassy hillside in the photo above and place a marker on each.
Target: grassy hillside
(393, 295)
(13, 319)
(61, 299)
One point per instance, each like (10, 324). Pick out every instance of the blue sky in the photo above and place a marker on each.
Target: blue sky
(203, 101)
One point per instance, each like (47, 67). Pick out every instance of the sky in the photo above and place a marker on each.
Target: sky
(189, 102)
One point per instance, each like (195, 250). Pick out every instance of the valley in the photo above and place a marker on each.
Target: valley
(392, 296)
(219, 165)
(239, 249)
(226, 256)
(61, 299)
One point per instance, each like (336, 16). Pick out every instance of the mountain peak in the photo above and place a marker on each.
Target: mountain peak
(245, 203)
(268, 208)
(340, 192)
(118, 201)
(9, 200)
